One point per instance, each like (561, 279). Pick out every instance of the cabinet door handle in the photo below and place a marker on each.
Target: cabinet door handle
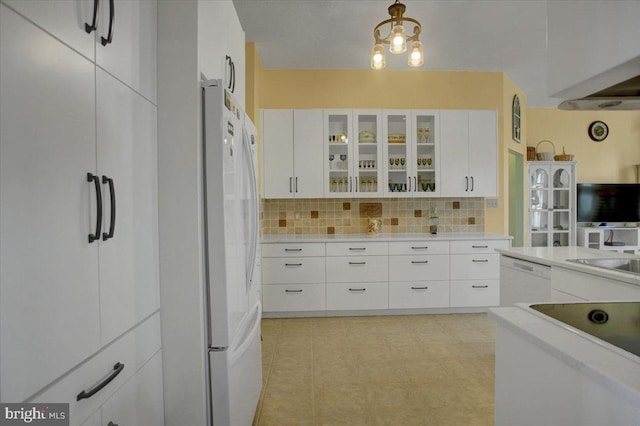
(96, 181)
(112, 13)
(350, 184)
(419, 247)
(420, 288)
(296, 184)
(91, 28)
(409, 179)
(296, 249)
(471, 183)
(112, 195)
(481, 247)
(415, 184)
(479, 286)
(480, 260)
(293, 291)
(357, 263)
(357, 248)
(357, 289)
(117, 369)
(466, 189)
(227, 59)
(112, 424)
(290, 184)
(419, 261)
(293, 264)
(233, 78)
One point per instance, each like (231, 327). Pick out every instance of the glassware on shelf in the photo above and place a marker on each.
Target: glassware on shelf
(396, 162)
(331, 158)
(343, 158)
(429, 161)
(402, 162)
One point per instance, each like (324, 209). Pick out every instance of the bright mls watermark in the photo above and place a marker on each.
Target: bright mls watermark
(34, 414)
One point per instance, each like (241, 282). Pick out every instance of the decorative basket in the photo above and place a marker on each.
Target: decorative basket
(564, 156)
(545, 156)
(531, 153)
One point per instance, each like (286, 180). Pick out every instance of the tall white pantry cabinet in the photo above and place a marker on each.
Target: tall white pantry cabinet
(79, 276)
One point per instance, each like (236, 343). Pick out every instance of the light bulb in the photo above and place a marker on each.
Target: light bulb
(416, 54)
(378, 60)
(398, 39)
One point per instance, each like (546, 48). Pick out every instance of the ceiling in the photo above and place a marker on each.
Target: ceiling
(462, 35)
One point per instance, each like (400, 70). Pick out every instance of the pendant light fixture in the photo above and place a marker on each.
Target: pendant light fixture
(397, 39)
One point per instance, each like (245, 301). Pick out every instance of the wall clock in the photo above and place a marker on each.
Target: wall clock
(598, 131)
(515, 112)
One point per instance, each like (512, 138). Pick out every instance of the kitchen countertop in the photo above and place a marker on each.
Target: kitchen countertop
(388, 237)
(556, 256)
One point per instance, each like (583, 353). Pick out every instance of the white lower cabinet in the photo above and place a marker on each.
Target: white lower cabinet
(355, 269)
(418, 294)
(468, 293)
(293, 270)
(293, 297)
(357, 296)
(419, 268)
(475, 272)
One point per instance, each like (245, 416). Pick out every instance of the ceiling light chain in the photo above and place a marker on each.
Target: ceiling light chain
(397, 38)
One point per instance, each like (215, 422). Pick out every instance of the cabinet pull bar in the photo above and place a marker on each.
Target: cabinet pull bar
(357, 248)
(233, 79)
(409, 178)
(227, 59)
(524, 267)
(117, 369)
(290, 184)
(415, 184)
(479, 286)
(350, 184)
(472, 184)
(420, 288)
(96, 181)
(296, 176)
(357, 263)
(112, 195)
(467, 187)
(293, 291)
(357, 289)
(480, 260)
(293, 264)
(90, 28)
(419, 261)
(479, 246)
(112, 424)
(112, 13)
(419, 247)
(296, 249)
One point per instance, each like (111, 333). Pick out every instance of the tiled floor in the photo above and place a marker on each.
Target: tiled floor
(392, 370)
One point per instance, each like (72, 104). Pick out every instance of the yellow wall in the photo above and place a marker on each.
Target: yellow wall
(610, 161)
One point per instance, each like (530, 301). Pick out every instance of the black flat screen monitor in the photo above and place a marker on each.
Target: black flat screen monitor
(606, 203)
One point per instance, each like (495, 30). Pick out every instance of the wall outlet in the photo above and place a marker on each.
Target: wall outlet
(492, 203)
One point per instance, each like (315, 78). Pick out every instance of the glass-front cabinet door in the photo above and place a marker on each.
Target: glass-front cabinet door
(539, 205)
(398, 155)
(562, 201)
(339, 153)
(426, 155)
(367, 155)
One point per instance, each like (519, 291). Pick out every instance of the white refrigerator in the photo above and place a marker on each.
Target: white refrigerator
(231, 232)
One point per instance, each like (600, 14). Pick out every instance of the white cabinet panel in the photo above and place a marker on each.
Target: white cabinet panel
(418, 267)
(48, 269)
(419, 247)
(129, 277)
(293, 297)
(139, 402)
(475, 293)
(308, 155)
(293, 270)
(65, 19)
(483, 153)
(94, 420)
(454, 153)
(354, 296)
(418, 294)
(475, 266)
(592, 287)
(277, 153)
(357, 249)
(293, 250)
(478, 246)
(357, 269)
(131, 55)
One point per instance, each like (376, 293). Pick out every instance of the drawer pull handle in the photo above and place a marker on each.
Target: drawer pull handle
(293, 291)
(357, 263)
(479, 246)
(480, 260)
(357, 289)
(293, 264)
(288, 250)
(479, 286)
(420, 288)
(419, 261)
(112, 424)
(419, 248)
(117, 369)
(357, 248)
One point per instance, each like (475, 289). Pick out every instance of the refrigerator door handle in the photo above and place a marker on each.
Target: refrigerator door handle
(91, 28)
(254, 209)
(96, 181)
(112, 204)
(112, 13)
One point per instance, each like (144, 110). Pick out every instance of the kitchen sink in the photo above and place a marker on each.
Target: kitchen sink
(617, 323)
(616, 264)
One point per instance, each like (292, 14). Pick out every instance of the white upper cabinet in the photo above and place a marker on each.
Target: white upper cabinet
(398, 153)
(338, 140)
(307, 153)
(368, 162)
(425, 129)
(468, 153)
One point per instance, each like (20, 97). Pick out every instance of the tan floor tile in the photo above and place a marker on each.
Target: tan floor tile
(381, 373)
(377, 354)
(346, 400)
(287, 403)
(393, 397)
(466, 417)
(420, 417)
(278, 420)
(351, 420)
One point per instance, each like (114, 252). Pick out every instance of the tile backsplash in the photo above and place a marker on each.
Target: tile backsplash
(349, 215)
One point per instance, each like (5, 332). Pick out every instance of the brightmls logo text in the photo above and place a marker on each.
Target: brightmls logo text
(34, 414)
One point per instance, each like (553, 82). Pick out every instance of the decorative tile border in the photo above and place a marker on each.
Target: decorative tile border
(348, 216)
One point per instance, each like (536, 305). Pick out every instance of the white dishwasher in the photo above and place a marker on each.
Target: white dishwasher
(522, 281)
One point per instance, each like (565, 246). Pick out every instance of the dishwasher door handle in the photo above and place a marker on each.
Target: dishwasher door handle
(523, 266)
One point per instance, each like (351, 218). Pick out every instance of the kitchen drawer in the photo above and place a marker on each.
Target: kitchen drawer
(293, 297)
(419, 247)
(292, 249)
(358, 249)
(133, 350)
(294, 270)
(475, 266)
(139, 402)
(475, 293)
(352, 269)
(419, 268)
(478, 246)
(354, 296)
(419, 294)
